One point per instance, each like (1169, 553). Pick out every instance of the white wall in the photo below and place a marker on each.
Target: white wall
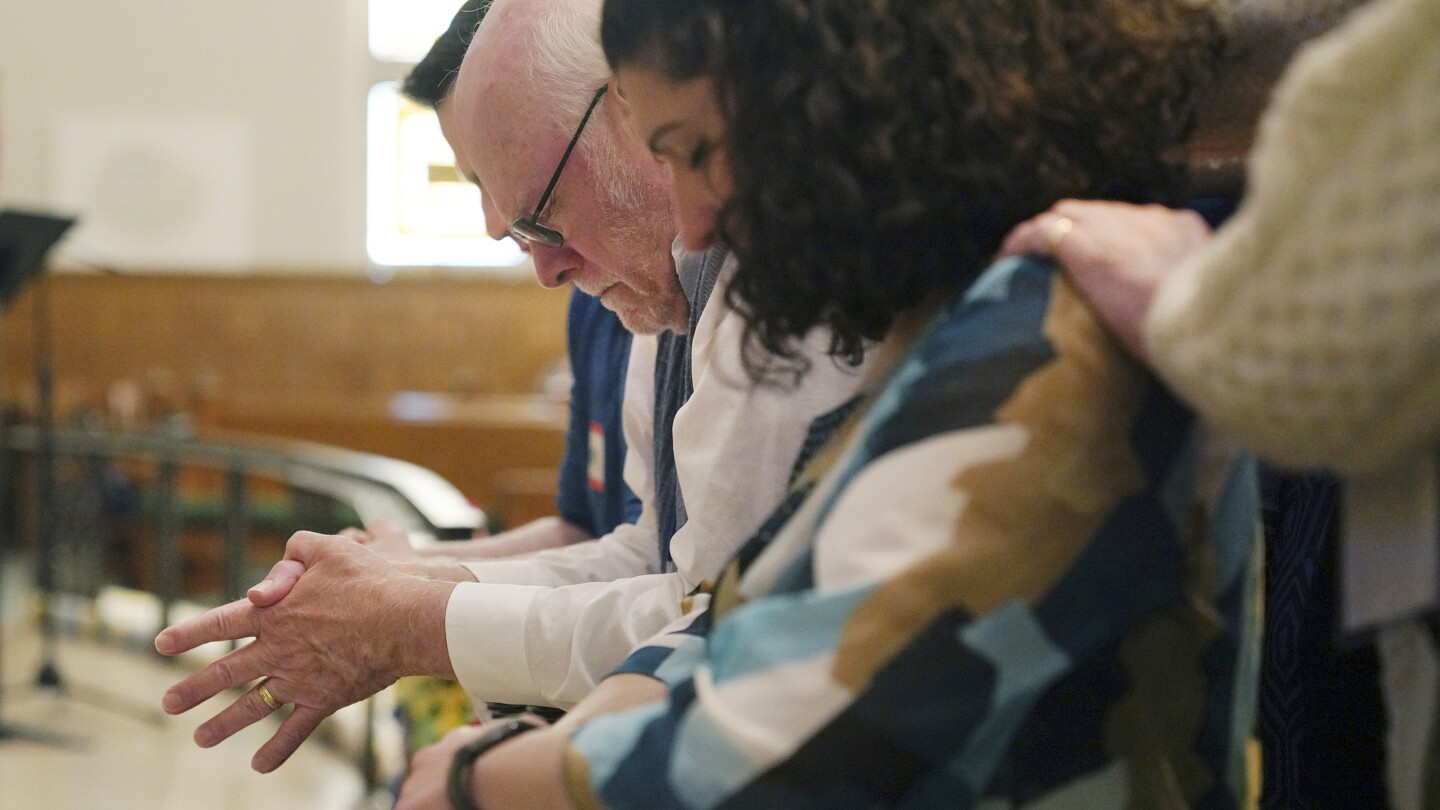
(276, 86)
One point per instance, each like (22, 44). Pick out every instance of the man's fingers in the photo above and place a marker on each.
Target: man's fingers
(303, 546)
(248, 709)
(277, 584)
(294, 731)
(358, 535)
(381, 525)
(225, 623)
(227, 672)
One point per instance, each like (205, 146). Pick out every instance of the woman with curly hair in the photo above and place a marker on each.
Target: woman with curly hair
(993, 583)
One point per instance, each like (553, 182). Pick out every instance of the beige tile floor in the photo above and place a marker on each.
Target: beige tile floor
(127, 763)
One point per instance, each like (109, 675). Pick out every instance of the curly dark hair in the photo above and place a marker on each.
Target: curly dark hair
(881, 149)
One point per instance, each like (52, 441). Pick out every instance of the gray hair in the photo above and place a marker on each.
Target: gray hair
(565, 63)
(565, 66)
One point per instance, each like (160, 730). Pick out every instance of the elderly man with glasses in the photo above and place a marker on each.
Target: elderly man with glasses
(710, 454)
(528, 230)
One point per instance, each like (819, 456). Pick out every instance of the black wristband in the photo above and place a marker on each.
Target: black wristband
(458, 785)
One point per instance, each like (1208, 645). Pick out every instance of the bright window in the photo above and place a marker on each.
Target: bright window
(404, 30)
(421, 211)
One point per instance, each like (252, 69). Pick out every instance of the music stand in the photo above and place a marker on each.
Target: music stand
(26, 237)
(25, 240)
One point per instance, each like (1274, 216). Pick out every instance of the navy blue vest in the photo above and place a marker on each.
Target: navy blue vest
(673, 386)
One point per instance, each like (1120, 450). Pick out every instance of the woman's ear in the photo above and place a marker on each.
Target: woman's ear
(617, 91)
(622, 107)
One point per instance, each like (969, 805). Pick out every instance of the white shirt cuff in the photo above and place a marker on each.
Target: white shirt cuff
(512, 572)
(485, 628)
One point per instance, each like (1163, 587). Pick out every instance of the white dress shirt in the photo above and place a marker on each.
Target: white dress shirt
(545, 629)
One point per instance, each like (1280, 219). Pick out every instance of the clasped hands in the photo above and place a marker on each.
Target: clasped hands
(333, 623)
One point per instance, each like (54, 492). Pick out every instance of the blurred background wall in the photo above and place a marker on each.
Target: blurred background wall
(245, 120)
(216, 153)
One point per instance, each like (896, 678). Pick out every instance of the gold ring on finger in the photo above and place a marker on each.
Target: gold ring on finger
(265, 695)
(1059, 229)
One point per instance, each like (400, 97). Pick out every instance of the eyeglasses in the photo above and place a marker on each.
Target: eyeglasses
(528, 230)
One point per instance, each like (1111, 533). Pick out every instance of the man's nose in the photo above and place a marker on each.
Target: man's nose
(555, 267)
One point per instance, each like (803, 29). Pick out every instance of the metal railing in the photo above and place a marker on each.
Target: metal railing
(375, 487)
(407, 495)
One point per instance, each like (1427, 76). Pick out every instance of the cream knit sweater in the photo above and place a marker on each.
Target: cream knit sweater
(1310, 328)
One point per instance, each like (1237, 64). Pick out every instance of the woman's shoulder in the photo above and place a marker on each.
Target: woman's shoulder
(972, 356)
(1005, 308)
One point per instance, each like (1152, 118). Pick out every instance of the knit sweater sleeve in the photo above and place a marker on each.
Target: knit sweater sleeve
(1310, 328)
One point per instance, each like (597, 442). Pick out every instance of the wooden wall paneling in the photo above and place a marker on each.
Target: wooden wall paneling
(316, 357)
(292, 336)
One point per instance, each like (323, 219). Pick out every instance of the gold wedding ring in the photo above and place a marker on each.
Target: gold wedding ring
(1059, 229)
(265, 695)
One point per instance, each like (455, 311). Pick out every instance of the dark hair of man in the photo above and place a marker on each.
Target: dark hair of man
(432, 77)
(1264, 36)
(881, 149)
